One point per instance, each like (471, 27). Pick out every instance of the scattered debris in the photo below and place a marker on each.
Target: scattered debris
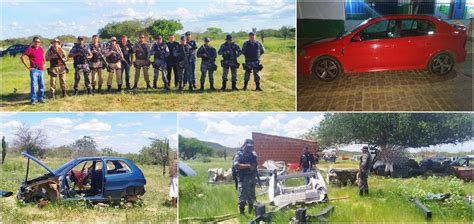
(426, 212)
(469, 199)
(301, 217)
(270, 166)
(6, 193)
(215, 175)
(42, 203)
(185, 170)
(342, 177)
(439, 196)
(280, 195)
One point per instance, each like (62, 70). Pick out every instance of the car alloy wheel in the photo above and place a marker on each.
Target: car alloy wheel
(442, 64)
(326, 69)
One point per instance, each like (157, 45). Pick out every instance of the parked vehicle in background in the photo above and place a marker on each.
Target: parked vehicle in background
(14, 50)
(463, 168)
(67, 46)
(396, 42)
(96, 179)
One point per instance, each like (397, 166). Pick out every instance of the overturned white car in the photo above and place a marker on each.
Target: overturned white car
(281, 195)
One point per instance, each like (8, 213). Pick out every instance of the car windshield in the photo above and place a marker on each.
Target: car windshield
(345, 33)
(64, 167)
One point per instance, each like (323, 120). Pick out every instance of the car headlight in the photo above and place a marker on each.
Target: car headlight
(301, 52)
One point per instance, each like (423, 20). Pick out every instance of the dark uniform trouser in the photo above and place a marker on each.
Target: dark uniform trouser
(82, 69)
(252, 67)
(233, 70)
(172, 66)
(192, 72)
(126, 68)
(183, 71)
(164, 75)
(246, 190)
(363, 181)
(206, 68)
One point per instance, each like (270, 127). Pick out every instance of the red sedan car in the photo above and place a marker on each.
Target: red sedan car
(398, 42)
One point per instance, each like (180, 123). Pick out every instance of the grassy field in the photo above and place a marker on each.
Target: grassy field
(387, 202)
(278, 83)
(153, 208)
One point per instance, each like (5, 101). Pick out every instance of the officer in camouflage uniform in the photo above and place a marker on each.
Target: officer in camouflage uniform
(365, 162)
(81, 55)
(230, 52)
(114, 59)
(192, 59)
(56, 68)
(208, 55)
(160, 53)
(252, 50)
(142, 56)
(245, 163)
(96, 63)
(182, 55)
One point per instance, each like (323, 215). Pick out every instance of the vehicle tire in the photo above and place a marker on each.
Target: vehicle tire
(326, 68)
(441, 64)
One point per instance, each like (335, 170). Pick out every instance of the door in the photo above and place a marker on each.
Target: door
(117, 178)
(370, 48)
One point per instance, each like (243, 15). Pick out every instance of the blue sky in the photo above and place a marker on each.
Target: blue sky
(124, 132)
(50, 18)
(231, 129)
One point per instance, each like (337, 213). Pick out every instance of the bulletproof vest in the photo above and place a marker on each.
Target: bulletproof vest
(80, 59)
(208, 51)
(172, 47)
(113, 58)
(252, 50)
(159, 51)
(95, 56)
(304, 160)
(247, 158)
(143, 51)
(193, 46)
(126, 51)
(55, 62)
(229, 47)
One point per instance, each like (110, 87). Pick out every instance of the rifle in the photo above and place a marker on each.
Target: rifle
(83, 54)
(234, 57)
(61, 59)
(213, 60)
(105, 65)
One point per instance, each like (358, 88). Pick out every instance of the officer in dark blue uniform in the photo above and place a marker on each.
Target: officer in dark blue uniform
(230, 51)
(252, 50)
(208, 55)
(245, 163)
(192, 58)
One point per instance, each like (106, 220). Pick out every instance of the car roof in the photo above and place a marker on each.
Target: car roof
(101, 157)
(432, 18)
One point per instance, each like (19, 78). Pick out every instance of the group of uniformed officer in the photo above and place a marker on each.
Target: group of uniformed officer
(179, 58)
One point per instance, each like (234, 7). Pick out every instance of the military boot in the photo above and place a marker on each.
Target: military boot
(191, 87)
(366, 192)
(76, 92)
(148, 86)
(154, 85)
(99, 90)
(167, 86)
(202, 86)
(250, 208)
(135, 86)
(242, 210)
(109, 88)
(245, 85)
(361, 192)
(194, 86)
(64, 93)
(119, 88)
(234, 86)
(93, 90)
(89, 91)
(128, 86)
(258, 86)
(180, 86)
(224, 84)
(212, 86)
(53, 95)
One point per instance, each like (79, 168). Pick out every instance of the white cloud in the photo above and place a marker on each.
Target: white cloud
(56, 122)
(270, 124)
(148, 134)
(129, 124)
(93, 125)
(215, 116)
(226, 128)
(299, 125)
(188, 133)
(10, 124)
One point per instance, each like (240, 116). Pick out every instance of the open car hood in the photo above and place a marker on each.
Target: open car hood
(26, 155)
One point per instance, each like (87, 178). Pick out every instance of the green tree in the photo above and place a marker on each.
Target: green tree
(131, 28)
(190, 147)
(214, 33)
(156, 153)
(164, 27)
(392, 130)
(85, 146)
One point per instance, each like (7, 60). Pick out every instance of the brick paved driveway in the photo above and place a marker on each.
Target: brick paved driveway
(415, 90)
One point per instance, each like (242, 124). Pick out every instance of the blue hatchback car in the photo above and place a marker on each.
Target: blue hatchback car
(96, 179)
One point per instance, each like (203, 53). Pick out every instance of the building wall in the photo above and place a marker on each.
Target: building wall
(320, 19)
(278, 148)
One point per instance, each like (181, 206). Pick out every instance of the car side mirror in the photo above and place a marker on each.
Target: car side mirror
(357, 38)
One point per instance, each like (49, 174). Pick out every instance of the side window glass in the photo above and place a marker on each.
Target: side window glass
(117, 167)
(377, 30)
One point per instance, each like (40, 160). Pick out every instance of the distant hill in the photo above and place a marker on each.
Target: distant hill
(218, 147)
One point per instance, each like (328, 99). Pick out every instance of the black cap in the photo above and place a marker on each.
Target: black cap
(80, 37)
(248, 142)
(207, 39)
(365, 147)
(251, 34)
(159, 37)
(228, 37)
(182, 38)
(187, 33)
